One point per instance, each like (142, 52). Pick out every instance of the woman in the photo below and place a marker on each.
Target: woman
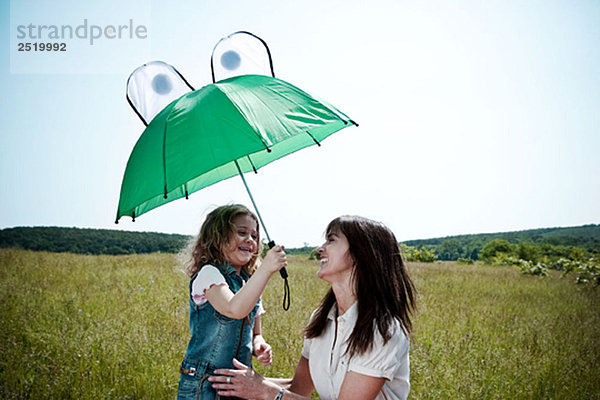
(356, 343)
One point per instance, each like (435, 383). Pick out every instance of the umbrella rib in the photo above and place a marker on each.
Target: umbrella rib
(251, 163)
(313, 138)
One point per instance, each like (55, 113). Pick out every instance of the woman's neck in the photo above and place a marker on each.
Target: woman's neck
(344, 296)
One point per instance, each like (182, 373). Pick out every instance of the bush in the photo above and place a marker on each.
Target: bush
(588, 272)
(419, 255)
(495, 248)
(526, 266)
(529, 251)
(529, 268)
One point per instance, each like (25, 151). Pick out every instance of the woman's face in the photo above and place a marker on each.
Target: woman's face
(336, 262)
(243, 241)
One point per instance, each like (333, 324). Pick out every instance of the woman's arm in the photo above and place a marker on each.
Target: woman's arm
(302, 382)
(248, 383)
(355, 386)
(238, 305)
(360, 387)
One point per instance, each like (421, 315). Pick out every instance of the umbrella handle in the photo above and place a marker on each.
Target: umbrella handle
(286, 285)
(282, 271)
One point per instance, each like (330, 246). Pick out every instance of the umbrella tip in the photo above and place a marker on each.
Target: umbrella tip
(116, 221)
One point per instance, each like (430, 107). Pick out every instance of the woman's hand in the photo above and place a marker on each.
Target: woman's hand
(243, 382)
(275, 259)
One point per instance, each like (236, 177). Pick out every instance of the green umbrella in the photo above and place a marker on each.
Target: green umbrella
(224, 129)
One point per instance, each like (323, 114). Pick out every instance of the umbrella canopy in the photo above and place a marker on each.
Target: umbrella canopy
(235, 125)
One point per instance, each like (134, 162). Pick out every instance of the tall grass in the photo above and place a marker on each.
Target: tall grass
(115, 327)
(85, 327)
(492, 333)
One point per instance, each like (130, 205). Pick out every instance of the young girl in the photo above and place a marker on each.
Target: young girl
(225, 288)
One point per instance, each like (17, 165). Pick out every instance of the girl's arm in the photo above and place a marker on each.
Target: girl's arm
(239, 305)
(262, 350)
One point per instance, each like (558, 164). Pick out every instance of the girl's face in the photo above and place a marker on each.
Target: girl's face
(336, 262)
(242, 243)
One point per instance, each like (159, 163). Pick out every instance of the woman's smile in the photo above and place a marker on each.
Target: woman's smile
(335, 257)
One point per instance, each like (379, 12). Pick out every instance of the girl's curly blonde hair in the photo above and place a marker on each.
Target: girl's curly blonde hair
(207, 247)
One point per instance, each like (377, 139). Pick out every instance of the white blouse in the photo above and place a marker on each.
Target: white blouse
(329, 364)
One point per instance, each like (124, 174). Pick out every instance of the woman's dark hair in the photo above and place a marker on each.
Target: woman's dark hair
(207, 247)
(381, 282)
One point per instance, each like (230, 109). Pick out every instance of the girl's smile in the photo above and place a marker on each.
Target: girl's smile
(243, 241)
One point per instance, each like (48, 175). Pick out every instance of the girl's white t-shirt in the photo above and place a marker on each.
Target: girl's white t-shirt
(207, 277)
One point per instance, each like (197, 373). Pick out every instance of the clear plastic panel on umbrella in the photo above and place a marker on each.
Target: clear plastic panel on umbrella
(240, 53)
(152, 86)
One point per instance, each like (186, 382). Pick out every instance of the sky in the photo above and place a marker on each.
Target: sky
(474, 116)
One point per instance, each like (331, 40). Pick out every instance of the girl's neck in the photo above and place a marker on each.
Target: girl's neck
(237, 269)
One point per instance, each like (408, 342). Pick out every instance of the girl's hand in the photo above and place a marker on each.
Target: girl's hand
(275, 259)
(263, 353)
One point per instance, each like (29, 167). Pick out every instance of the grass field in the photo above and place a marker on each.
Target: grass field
(115, 327)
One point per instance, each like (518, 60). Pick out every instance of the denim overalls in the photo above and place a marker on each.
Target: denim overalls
(216, 341)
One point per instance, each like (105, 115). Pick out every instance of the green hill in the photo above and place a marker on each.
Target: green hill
(90, 241)
(99, 241)
(586, 237)
(107, 241)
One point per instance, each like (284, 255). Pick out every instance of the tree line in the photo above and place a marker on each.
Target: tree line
(533, 244)
(577, 243)
(90, 241)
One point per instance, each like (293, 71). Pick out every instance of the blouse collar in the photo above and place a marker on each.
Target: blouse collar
(350, 314)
